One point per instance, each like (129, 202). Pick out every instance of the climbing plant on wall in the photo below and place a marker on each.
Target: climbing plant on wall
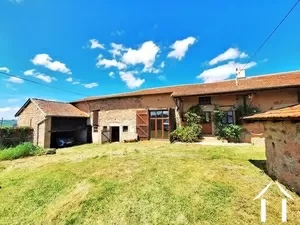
(191, 132)
(229, 132)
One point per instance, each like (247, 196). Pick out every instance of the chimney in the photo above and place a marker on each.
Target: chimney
(240, 73)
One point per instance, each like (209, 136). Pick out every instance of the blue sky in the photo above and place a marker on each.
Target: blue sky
(102, 47)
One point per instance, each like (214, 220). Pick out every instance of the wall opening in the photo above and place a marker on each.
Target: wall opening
(115, 134)
(159, 124)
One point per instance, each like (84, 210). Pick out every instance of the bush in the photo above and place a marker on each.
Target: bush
(186, 134)
(232, 133)
(23, 150)
(229, 132)
(11, 137)
(192, 131)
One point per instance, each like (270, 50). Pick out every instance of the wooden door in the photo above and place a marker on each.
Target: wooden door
(142, 124)
(172, 120)
(206, 123)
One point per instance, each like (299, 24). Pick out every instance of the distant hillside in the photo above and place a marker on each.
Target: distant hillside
(8, 123)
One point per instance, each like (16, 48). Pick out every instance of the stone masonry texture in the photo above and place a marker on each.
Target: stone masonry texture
(283, 152)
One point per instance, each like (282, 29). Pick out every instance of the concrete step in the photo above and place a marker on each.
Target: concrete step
(212, 139)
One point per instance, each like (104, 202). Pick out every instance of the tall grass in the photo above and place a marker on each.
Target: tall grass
(23, 150)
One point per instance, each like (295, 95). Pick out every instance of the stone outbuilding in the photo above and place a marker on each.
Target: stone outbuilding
(282, 140)
(50, 119)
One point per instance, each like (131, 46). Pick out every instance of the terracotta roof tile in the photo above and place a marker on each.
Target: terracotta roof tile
(291, 112)
(279, 80)
(52, 108)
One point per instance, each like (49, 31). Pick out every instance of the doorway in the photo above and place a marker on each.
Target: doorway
(115, 134)
(159, 124)
(206, 123)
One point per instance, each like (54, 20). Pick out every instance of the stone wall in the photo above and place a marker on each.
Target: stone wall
(34, 118)
(283, 152)
(119, 118)
(264, 100)
(122, 112)
(10, 137)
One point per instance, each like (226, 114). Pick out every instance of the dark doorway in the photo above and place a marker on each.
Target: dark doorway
(89, 138)
(115, 134)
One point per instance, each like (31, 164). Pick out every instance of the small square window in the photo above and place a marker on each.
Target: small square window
(96, 129)
(204, 101)
(125, 128)
(104, 128)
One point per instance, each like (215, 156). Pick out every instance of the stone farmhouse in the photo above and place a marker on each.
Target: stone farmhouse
(154, 113)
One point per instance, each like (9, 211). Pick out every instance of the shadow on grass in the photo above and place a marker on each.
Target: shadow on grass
(261, 164)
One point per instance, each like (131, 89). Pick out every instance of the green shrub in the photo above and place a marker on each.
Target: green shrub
(229, 132)
(23, 150)
(186, 134)
(245, 110)
(192, 118)
(192, 131)
(232, 132)
(13, 136)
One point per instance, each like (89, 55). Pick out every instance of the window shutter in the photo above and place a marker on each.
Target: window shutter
(142, 124)
(172, 119)
(96, 118)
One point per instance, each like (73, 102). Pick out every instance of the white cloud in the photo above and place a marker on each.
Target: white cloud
(45, 78)
(229, 54)
(223, 72)
(13, 100)
(16, 1)
(76, 82)
(4, 69)
(243, 55)
(152, 70)
(107, 63)
(46, 61)
(15, 80)
(180, 47)
(130, 80)
(29, 72)
(111, 74)
(162, 65)
(118, 32)
(95, 44)
(69, 79)
(40, 76)
(116, 49)
(162, 77)
(146, 55)
(91, 85)
(8, 112)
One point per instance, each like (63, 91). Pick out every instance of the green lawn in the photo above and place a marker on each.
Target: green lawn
(139, 183)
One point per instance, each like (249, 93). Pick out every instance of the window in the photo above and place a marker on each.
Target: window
(228, 118)
(159, 114)
(125, 128)
(96, 129)
(206, 117)
(95, 118)
(104, 129)
(204, 100)
(159, 124)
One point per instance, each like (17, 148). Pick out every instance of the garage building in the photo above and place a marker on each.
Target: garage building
(51, 120)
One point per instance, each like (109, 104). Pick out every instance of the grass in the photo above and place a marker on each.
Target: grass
(20, 151)
(139, 183)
